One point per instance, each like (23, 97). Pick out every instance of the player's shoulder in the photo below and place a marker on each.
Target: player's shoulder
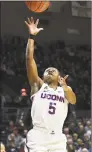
(60, 89)
(43, 87)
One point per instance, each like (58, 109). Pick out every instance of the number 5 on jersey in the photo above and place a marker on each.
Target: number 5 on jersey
(52, 108)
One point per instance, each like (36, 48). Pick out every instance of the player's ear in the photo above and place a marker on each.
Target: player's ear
(59, 78)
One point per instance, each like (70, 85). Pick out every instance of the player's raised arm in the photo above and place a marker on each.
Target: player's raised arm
(69, 94)
(31, 66)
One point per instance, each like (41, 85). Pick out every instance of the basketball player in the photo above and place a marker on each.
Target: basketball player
(50, 102)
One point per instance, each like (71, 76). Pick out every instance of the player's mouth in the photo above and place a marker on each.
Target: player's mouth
(50, 73)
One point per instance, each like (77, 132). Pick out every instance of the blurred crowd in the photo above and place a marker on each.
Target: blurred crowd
(78, 135)
(68, 59)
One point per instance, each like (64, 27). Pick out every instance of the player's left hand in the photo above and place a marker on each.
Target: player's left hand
(62, 81)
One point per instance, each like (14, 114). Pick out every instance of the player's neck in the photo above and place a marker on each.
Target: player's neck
(53, 85)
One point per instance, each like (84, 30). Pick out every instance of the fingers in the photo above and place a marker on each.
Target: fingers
(37, 21)
(66, 77)
(32, 20)
(26, 23)
(40, 29)
(29, 21)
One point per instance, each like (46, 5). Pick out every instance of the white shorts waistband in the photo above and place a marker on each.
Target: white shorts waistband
(49, 131)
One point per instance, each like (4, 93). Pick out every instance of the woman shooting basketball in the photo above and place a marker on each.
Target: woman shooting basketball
(50, 102)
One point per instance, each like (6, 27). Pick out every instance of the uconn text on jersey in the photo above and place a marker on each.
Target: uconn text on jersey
(52, 97)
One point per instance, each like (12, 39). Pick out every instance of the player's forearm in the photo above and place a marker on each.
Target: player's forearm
(30, 50)
(69, 94)
(31, 66)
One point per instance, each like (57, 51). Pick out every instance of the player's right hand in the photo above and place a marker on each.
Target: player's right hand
(32, 26)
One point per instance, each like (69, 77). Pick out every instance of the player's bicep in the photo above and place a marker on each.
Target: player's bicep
(40, 82)
(32, 72)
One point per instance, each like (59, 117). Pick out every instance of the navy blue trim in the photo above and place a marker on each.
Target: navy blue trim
(27, 146)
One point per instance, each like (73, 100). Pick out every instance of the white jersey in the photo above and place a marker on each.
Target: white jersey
(49, 108)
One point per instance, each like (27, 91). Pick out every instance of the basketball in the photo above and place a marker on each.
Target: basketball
(37, 6)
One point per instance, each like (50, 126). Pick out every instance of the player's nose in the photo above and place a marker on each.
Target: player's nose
(50, 71)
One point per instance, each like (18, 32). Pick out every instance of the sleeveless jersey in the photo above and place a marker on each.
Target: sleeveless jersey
(49, 108)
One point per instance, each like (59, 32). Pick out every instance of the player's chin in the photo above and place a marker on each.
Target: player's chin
(49, 80)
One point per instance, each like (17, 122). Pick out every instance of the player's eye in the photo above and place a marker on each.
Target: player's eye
(53, 71)
(48, 70)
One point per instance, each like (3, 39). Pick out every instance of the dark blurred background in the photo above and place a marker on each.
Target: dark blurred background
(65, 44)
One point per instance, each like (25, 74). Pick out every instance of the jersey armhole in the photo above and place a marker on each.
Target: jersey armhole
(32, 97)
(66, 101)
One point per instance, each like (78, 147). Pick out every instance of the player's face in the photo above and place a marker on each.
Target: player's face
(51, 75)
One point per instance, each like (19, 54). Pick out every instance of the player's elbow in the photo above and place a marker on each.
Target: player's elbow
(73, 99)
(72, 102)
(29, 63)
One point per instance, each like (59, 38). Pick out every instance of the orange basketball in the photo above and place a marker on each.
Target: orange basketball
(37, 6)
